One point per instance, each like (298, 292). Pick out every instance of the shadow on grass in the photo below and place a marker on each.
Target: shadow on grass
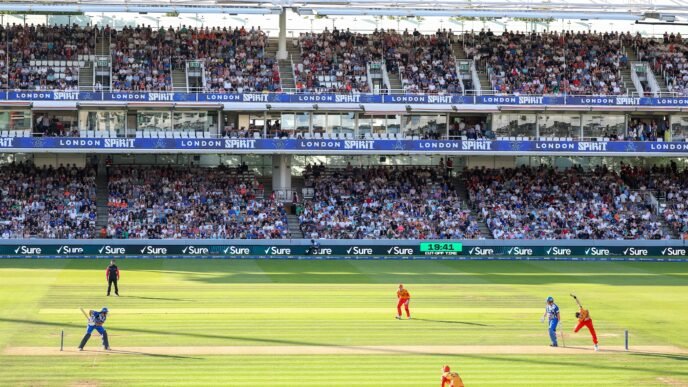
(383, 272)
(122, 352)
(539, 360)
(661, 355)
(451, 322)
(156, 298)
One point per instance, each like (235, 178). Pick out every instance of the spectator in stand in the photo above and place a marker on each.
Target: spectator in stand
(334, 62)
(552, 63)
(42, 57)
(543, 203)
(384, 203)
(191, 202)
(141, 59)
(671, 189)
(647, 130)
(47, 202)
(669, 58)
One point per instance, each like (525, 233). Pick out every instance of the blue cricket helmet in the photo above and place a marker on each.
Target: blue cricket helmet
(104, 310)
(550, 299)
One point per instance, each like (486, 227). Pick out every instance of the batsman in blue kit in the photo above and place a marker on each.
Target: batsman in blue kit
(96, 319)
(552, 314)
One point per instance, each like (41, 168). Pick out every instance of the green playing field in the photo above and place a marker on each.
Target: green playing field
(327, 323)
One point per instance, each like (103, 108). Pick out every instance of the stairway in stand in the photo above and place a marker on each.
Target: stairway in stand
(179, 81)
(102, 196)
(463, 194)
(285, 68)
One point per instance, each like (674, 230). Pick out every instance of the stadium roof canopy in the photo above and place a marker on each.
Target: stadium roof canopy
(663, 10)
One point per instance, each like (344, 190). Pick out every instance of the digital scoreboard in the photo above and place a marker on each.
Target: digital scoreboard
(441, 248)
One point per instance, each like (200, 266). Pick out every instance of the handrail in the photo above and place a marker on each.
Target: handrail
(385, 76)
(475, 78)
(635, 79)
(652, 82)
(458, 75)
(293, 71)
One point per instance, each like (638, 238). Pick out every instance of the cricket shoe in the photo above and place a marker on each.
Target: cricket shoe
(81, 349)
(408, 318)
(107, 348)
(553, 345)
(596, 348)
(398, 317)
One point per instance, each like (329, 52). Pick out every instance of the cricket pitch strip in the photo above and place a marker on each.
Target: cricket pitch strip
(346, 350)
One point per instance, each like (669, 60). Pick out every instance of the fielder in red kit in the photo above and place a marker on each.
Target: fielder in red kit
(404, 299)
(451, 379)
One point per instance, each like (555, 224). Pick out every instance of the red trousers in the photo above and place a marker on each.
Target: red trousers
(405, 303)
(587, 323)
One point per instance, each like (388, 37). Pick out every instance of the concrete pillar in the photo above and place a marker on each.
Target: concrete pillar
(282, 43)
(281, 177)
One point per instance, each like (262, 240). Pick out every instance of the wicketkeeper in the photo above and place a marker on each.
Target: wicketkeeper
(96, 319)
(584, 320)
(552, 314)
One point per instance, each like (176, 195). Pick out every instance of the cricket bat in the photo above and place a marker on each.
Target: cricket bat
(85, 314)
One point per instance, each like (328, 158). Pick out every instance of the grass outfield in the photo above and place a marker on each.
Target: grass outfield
(335, 304)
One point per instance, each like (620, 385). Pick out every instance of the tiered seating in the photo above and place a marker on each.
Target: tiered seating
(543, 203)
(57, 203)
(142, 59)
(234, 60)
(669, 58)
(197, 203)
(425, 62)
(384, 203)
(552, 63)
(333, 62)
(336, 61)
(43, 57)
(670, 187)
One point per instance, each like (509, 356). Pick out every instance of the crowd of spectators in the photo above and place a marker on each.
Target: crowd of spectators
(43, 57)
(471, 129)
(47, 202)
(551, 63)
(425, 63)
(191, 202)
(647, 130)
(234, 59)
(334, 61)
(669, 58)
(142, 58)
(384, 203)
(670, 187)
(544, 203)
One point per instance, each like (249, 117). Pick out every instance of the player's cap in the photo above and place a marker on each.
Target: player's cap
(446, 368)
(104, 310)
(550, 299)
